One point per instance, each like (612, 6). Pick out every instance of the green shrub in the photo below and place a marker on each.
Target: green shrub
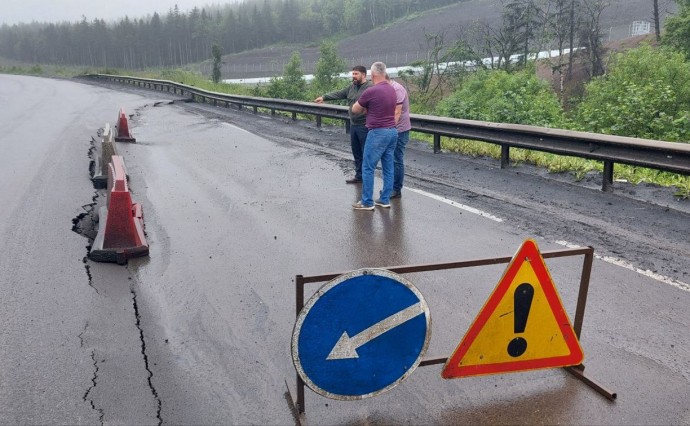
(645, 94)
(502, 97)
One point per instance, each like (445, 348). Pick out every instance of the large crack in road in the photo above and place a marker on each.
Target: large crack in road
(91, 338)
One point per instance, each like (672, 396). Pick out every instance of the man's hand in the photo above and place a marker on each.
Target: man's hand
(319, 100)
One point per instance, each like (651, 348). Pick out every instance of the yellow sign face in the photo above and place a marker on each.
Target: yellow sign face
(522, 326)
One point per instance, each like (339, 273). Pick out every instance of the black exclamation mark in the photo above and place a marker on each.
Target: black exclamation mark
(523, 301)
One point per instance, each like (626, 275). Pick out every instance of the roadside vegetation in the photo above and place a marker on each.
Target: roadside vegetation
(642, 92)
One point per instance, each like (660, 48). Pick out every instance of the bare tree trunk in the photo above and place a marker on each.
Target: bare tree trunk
(572, 39)
(657, 27)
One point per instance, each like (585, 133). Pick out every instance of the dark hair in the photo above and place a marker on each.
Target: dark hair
(360, 68)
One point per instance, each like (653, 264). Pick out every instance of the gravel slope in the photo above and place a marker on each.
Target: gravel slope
(401, 43)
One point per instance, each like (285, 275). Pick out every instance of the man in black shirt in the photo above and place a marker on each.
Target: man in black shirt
(358, 130)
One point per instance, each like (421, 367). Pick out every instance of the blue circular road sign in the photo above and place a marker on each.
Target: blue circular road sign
(361, 334)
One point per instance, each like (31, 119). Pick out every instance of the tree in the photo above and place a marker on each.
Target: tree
(443, 65)
(558, 23)
(521, 18)
(328, 67)
(291, 85)
(571, 39)
(677, 29)
(217, 52)
(657, 26)
(590, 34)
(644, 94)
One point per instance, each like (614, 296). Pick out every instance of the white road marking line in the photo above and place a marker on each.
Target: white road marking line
(455, 204)
(612, 260)
(237, 128)
(623, 264)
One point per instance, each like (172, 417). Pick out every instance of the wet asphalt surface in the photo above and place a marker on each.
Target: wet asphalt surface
(236, 205)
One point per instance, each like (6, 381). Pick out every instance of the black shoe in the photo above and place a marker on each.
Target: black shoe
(353, 180)
(396, 194)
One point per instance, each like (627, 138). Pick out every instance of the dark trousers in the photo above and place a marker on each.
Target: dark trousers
(358, 137)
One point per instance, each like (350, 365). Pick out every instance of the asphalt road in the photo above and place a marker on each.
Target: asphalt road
(236, 205)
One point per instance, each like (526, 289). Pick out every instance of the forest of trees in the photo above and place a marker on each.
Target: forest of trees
(178, 38)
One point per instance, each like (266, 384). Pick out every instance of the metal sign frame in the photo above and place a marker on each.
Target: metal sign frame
(296, 395)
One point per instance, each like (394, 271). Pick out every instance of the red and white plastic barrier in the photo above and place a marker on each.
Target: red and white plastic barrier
(123, 134)
(121, 222)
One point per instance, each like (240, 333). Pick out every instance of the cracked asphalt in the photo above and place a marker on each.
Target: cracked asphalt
(71, 344)
(236, 205)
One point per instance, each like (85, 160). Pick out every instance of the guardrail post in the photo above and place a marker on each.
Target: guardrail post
(318, 121)
(505, 156)
(273, 111)
(294, 116)
(607, 178)
(347, 127)
(437, 143)
(256, 109)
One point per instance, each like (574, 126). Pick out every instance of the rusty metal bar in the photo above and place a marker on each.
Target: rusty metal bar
(299, 304)
(580, 374)
(453, 265)
(433, 361)
(584, 289)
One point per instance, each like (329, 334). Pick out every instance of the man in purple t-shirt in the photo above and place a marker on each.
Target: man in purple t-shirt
(403, 124)
(379, 103)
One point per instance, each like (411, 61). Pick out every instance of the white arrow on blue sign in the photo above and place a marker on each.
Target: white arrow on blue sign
(361, 334)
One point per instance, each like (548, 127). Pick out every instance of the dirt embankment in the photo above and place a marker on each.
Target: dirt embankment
(403, 42)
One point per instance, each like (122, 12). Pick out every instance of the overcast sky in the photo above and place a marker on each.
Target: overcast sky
(15, 11)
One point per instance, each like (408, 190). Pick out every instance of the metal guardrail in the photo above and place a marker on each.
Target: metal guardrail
(659, 155)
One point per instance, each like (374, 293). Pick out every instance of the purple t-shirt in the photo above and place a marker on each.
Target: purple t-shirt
(404, 123)
(379, 100)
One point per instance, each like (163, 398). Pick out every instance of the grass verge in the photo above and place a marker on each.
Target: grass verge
(578, 167)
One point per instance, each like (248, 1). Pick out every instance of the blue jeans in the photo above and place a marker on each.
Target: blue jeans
(399, 165)
(358, 137)
(379, 146)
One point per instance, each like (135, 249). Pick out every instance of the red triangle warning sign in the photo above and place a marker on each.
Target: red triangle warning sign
(522, 326)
